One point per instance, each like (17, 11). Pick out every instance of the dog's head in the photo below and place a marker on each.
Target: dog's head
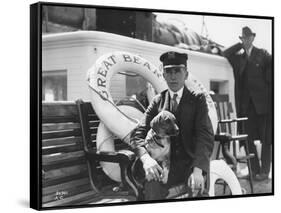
(164, 124)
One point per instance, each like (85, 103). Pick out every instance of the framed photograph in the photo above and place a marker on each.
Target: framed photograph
(133, 106)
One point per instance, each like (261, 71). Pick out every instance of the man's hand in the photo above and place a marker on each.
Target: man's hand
(151, 168)
(196, 180)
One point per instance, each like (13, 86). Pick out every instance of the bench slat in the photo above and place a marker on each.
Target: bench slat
(61, 134)
(62, 149)
(60, 158)
(61, 141)
(59, 119)
(64, 163)
(52, 182)
(59, 109)
(59, 126)
(94, 124)
(64, 172)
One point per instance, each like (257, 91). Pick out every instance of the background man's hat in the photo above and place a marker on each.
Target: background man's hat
(173, 59)
(246, 32)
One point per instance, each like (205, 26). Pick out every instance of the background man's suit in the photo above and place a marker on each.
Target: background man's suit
(193, 146)
(253, 96)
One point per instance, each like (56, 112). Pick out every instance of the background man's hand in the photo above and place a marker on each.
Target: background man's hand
(196, 180)
(151, 168)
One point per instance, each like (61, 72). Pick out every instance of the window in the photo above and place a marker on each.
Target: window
(219, 87)
(54, 85)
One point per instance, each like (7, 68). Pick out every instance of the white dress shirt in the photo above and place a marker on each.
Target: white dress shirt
(179, 93)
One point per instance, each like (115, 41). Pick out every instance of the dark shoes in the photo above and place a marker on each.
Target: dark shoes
(261, 177)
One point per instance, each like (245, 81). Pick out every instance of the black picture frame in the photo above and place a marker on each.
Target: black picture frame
(37, 16)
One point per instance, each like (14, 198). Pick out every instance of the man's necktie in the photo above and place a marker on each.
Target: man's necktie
(174, 103)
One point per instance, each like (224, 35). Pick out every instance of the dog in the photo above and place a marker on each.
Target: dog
(158, 141)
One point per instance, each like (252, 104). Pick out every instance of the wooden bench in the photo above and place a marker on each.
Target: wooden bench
(68, 176)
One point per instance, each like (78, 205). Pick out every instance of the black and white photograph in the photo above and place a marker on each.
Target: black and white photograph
(140, 106)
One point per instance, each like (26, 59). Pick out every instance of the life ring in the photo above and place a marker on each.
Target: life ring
(220, 170)
(105, 142)
(120, 125)
(107, 65)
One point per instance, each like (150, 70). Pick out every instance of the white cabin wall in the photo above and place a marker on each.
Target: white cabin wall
(77, 51)
(74, 61)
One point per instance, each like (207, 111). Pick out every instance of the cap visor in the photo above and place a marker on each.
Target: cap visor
(174, 65)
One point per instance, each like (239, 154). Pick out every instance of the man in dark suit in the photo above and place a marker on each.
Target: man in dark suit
(252, 71)
(191, 149)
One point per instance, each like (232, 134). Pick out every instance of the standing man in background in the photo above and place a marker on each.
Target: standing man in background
(252, 68)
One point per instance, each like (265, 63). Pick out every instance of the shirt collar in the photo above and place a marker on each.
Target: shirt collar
(179, 93)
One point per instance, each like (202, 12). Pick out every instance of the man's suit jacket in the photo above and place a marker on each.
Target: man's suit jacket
(258, 68)
(196, 132)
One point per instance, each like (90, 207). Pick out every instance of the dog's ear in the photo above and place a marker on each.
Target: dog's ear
(168, 116)
(154, 124)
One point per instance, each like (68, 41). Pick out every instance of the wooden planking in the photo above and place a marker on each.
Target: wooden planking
(227, 115)
(62, 141)
(76, 199)
(221, 112)
(221, 116)
(59, 126)
(65, 185)
(94, 124)
(65, 148)
(94, 131)
(61, 157)
(63, 160)
(59, 119)
(94, 138)
(67, 192)
(92, 116)
(59, 109)
(51, 182)
(65, 172)
(61, 134)
(66, 163)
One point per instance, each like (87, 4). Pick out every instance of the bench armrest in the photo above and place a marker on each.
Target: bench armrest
(223, 137)
(122, 156)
